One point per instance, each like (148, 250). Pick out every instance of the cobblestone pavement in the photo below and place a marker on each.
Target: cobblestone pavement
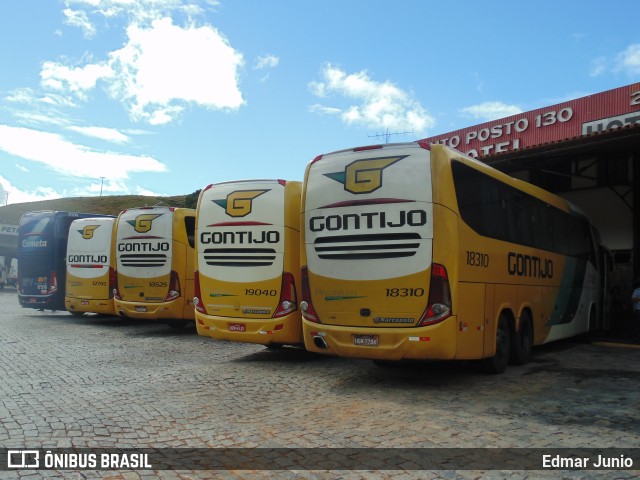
(106, 382)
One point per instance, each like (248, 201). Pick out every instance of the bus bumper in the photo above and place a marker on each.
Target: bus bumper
(150, 311)
(433, 342)
(282, 330)
(101, 306)
(48, 302)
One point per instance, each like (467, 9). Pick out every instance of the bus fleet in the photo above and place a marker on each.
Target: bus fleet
(385, 252)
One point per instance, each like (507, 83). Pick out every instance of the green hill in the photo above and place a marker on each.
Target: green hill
(110, 205)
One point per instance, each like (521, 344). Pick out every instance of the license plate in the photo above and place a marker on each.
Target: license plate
(366, 340)
(141, 309)
(84, 302)
(237, 327)
(32, 300)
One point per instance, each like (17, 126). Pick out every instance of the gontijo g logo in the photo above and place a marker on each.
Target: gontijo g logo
(364, 176)
(238, 203)
(142, 223)
(87, 232)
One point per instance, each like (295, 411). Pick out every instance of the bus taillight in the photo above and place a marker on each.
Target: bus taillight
(53, 284)
(113, 282)
(288, 299)
(174, 287)
(197, 296)
(308, 312)
(439, 307)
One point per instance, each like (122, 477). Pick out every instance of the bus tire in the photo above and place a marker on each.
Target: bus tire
(522, 341)
(498, 363)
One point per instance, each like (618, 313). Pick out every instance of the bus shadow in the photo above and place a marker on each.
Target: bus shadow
(158, 328)
(434, 374)
(284, 354)
(163, 330)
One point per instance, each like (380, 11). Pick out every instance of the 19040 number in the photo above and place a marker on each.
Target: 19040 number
(260, 292)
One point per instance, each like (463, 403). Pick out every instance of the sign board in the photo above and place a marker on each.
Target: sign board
(584, 116)
(8, 229)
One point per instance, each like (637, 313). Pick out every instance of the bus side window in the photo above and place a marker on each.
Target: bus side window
(190, 228)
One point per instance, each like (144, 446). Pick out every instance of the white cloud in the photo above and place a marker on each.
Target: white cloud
(598, 67)
(142, 10)
(75, 80)
(106, 186)
(490, 111)
(162, 67)
(109, 134)
(72, 159)
(79, 18)
(32, 118)
(20, 196)
(145, 191)
(378, 105)
(165, 65)
(323, 110)
(266, 61)
(629, 59)
(28, 96)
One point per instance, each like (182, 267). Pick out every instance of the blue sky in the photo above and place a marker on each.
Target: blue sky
(166, 96)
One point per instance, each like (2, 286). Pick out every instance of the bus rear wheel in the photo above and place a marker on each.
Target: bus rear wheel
(498, 363)
(522, 341)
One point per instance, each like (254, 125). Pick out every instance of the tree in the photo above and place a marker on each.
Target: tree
(191, 200)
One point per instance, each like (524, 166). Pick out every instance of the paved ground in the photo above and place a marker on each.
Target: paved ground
(106, 382)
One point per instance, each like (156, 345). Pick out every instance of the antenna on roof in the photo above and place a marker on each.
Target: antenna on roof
(387, 134)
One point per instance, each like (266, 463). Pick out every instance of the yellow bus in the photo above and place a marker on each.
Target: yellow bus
(90, 266)
(248, 262)
(415, 251)
(154, 262)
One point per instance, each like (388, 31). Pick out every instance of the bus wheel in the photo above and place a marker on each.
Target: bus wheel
(523, 341)
(498, 363)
